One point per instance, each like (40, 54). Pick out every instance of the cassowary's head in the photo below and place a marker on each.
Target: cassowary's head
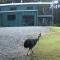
(36, 35)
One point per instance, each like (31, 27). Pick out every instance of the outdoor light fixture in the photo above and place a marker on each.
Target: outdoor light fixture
(55, 2)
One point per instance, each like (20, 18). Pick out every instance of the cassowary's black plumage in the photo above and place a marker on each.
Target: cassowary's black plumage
(30, 43)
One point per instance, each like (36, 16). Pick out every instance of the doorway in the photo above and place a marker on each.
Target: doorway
(28, 20)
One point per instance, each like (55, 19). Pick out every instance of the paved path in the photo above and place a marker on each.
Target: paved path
(12, 39)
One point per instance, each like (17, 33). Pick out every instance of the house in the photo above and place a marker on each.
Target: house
(22, 14)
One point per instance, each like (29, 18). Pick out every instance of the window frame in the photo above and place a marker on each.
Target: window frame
(11, 17)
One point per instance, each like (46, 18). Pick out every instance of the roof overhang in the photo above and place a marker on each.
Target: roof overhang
(29, 3)
(18, 11)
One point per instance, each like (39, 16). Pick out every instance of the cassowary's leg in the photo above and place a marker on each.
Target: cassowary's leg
(31, 50)
(28, 53)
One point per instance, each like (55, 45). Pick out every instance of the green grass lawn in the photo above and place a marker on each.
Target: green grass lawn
(48, 47)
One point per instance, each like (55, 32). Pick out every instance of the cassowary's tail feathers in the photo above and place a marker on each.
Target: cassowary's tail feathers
(26, 43)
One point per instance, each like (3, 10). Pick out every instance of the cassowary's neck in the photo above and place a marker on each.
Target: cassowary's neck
(39, 36)
(37, 39)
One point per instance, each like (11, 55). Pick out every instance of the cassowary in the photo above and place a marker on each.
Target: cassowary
(30, 43)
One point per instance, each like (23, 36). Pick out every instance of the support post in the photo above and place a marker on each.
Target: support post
(52, 16)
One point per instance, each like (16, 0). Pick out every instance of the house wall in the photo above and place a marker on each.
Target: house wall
(18, 11)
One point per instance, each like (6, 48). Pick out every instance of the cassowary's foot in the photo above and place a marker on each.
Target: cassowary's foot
(27, 54)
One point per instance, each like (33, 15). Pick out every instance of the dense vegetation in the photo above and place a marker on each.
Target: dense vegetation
(57, 16)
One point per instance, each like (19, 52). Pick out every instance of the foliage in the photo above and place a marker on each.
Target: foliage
(57, 16)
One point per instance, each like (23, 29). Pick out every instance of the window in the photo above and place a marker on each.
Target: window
(30, 7)
(13, 8)
(0, 9)
(11, 17)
